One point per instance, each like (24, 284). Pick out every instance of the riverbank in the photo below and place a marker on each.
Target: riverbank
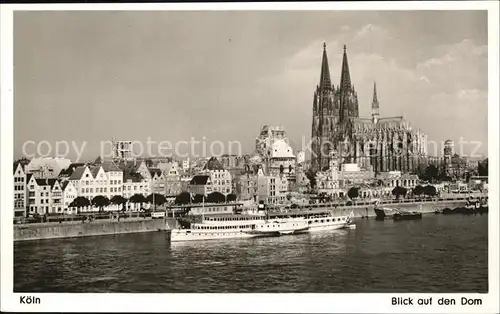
(423, 207)
(71, 229)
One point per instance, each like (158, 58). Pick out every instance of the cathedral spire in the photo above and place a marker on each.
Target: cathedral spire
(345, 77)
(324, 80)
(375, 104)
(375, 99)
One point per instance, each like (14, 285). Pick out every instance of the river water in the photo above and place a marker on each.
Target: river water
(437, 254)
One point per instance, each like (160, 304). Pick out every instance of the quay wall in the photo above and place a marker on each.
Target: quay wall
(42, 231)
(423, 207)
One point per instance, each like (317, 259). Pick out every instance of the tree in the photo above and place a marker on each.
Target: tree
(183, 198)
(311, 175)
(215, 197)
(418, 190)
(119, 200)
(156, 199)
(431, 173)
(430, 190)
(80, 202)
(198, 198)
(353, 192)
(138, 199)
(482, 168)
(231, 197)
(399, 191)
(100, 201)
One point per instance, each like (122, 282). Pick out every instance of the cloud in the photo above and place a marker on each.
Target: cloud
(423, 78)
(373, 32)
(459, 66)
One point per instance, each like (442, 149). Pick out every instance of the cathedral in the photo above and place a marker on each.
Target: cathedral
(384, 144)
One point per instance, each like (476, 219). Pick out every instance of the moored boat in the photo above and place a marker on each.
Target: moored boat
(407, 216)
(244, 226)
(270, 228)
(384, 212)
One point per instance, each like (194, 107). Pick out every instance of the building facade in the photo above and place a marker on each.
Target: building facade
(384, 143)
(200, 185)
(19, 190)
(271, 189)
(172, 175)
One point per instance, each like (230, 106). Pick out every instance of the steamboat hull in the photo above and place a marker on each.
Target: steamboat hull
(407, 216)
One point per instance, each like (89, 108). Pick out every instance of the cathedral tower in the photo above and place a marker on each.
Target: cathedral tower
(325, 117)
(375, 105)
(347, 95)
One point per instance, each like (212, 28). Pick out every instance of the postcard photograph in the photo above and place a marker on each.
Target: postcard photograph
(343, 152)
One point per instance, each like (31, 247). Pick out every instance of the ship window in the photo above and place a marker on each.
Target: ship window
(322, 221)
(310, 221)
(328, 220)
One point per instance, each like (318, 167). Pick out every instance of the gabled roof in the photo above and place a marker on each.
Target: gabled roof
(213, 164)
(64, 185)
(23, 162)
(134, 176)
(154, 171)
(200, 179)
(108, 166)
(69, 171)
(95, 170)
(28, 177)
(78, 173)
(16, 164)
(49, 182)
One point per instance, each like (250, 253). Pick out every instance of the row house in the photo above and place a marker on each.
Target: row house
(105, 180)
(19, 190)
(50, 196)
(157, 181)
(172, 174)
(221, 181)
(135, 183)
(271, 189)
(221, 178)
(69, 194)
(246, 187)
(200, 184)
(185, 180)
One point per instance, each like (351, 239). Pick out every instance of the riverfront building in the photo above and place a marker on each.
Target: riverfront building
(200, 184)
(275, 152)
(220, 178)
(19, 190)
(375, 141)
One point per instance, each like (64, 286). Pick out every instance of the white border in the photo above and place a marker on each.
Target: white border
(293, 303)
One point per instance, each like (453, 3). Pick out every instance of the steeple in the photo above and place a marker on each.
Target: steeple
(375, 100)
(347, 107)
(375, 104)
(324, 80)
(345, 77)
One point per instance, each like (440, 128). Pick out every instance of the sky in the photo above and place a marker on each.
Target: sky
(87, 76)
